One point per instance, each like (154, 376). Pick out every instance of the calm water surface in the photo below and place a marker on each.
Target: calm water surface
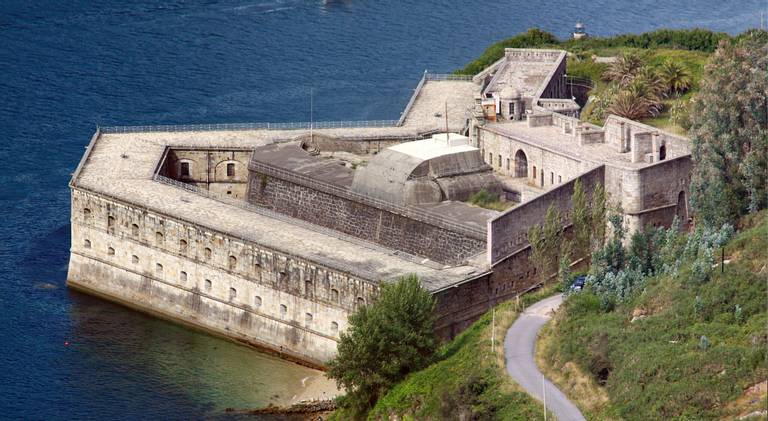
(66, 67)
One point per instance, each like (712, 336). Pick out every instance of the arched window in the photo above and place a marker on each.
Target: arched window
(135, 259)
(230, 169)
(183, 246)
(111, 224)
(308, 319)
(308, 287)
(663, 152)
(283, 310)
(534, 174)
(360, 301)
(334, 327)
(208, 253)
(159, 238)
(183, 276)
(110, 251)
(158, 268)
(134, 230)
(87, 243)
(500, 161)
(521, 164)
(86, 214)
(184, 169)
(208, 285)
(335, 295)
(232, 262)
(257, 301)
(232, 294)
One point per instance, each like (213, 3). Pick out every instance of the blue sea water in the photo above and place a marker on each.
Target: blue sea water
(67, 66)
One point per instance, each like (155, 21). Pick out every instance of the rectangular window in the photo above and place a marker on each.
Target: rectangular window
(185, 169)
(551, 178)
(230, 170)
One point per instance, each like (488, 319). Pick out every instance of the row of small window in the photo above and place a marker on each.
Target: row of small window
(208, 285)
(185, 172)
(335, 297)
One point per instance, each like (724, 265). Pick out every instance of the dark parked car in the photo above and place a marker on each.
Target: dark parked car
(578, 283)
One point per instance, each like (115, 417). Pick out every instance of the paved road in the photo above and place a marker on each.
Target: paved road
(519, 345)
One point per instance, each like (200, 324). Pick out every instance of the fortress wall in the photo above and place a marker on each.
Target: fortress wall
(557, 167)
(208, 169)
(361, 220)
(654, 195)
(218, 293)
(508, 232)
(355, 145)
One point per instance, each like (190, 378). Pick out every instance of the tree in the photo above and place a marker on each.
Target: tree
(581, 220)
(729, 133)
(385, 341)
(676, 78)
(546, 241)
(624, 69)
(598, 216)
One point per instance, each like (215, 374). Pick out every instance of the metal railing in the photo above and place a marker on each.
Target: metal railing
(579, 81)
(249, 126)
(447, 76)
(408, 106)
(427, 217)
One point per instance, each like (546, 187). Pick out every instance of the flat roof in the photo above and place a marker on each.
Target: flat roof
(428, 109)
(553, 139)
(432, 148)
(122, 166)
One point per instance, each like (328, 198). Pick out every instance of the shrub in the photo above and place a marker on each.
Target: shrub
(385, 341)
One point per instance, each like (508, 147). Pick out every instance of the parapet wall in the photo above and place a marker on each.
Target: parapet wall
(333, 207)
(508, 232)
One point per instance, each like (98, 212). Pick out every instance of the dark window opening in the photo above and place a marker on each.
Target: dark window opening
(185, 169)
(230, 170)
(110, 251)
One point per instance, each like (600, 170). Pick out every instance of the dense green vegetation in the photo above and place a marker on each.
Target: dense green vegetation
(651, 92)
(485, 199)
(730, 133)
(386, 340)
(468, 379)
(678, 345)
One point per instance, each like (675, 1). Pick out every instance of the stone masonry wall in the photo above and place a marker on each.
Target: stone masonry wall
(508, 232)
(208, 169)
(363, 221)
(185, 272)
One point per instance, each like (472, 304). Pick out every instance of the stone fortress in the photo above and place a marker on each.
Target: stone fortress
(272, 234)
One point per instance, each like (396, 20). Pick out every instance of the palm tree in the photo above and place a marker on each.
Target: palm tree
(676, 77)
(624, 69)
(631, 104)
(655, 86)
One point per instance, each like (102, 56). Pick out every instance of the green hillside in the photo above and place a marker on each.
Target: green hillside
(468, 378)
(678, 348)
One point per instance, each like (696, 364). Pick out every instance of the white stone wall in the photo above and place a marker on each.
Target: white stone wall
(219, 290)
(557, 168)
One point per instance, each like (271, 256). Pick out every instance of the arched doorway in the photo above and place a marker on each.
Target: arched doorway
(682, 209)
(662, 152)
(521, 164)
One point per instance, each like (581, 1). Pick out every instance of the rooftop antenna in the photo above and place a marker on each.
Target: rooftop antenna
(311, 115)
(447, 135)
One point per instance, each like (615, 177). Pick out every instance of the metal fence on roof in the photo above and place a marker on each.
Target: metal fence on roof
(249, 126)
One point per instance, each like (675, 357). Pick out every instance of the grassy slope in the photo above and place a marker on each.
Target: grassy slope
(659, 369)
(468, 378)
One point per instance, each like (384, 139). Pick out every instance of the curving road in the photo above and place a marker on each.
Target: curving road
(519, 345)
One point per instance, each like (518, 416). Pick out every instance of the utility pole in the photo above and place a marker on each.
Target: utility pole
(447, 135)
(544, 392)
(493, 330)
